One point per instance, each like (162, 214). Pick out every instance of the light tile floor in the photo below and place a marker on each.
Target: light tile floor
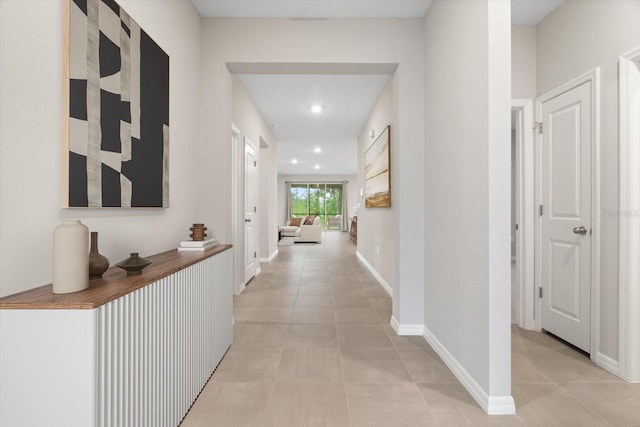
(313, 347)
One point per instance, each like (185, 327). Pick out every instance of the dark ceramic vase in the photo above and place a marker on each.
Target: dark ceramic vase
(98, 263)
(134, 264)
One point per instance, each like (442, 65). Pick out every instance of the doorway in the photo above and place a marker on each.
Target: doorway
(523, 226)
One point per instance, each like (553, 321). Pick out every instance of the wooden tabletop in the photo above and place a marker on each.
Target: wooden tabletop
(114, 283)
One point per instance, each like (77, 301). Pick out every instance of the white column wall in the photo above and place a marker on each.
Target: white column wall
(467, 187)
(269, 209)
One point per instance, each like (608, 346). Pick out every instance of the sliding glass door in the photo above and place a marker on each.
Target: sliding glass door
(299, 200)
(333, 206)
(318, 199)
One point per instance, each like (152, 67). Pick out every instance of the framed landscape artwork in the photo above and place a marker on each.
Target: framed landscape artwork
(116, 110)
(377, 172)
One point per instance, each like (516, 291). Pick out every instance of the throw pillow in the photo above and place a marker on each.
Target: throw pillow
(295, 222)
(309, 220)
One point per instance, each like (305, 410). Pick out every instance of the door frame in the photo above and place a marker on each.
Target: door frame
(629, 217)
(256, 228)
(592, 77)
(237, 215)
(525, 237)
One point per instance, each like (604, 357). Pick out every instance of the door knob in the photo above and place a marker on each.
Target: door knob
(247, 220)
(580, 230)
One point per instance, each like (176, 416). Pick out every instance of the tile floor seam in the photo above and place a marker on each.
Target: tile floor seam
(424, 399)
(266, 412)
(584, 405)
(344, 378)
(581, 404)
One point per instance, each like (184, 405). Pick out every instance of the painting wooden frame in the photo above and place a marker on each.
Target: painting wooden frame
(116, 110)
(377, 172)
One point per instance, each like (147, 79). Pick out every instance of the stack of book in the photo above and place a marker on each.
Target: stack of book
(197, 245)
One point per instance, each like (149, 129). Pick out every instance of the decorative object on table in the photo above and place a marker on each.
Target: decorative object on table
(98, 263)
(198, 232)
(197, 245)
(70, 257)
(377, 176)
(353, 230)
(134, 264)
(117, 99)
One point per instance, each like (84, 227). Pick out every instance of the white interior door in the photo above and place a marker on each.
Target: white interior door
(250, 255)
(566, 215)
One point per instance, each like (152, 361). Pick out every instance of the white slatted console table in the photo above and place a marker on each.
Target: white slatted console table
(129, 351)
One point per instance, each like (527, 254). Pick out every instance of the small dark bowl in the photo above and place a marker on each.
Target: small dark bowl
(134, 264)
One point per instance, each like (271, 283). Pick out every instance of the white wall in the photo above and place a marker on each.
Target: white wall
(575, 38)
(268, 199)
(523, 62)
(31, 67)
(251, 124)
(351, 187)
(350, 45)
(375, 225)
(467, 180)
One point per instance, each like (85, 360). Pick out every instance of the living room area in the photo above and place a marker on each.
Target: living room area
(312, 205)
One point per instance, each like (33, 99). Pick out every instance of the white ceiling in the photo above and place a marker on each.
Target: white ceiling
(285, 103)
(531, 12)
(284, 100)
(523, 12)
(313, 8)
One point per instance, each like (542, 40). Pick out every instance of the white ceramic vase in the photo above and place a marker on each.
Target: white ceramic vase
(70, 257)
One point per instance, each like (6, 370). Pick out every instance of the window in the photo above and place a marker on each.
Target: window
(318, 199)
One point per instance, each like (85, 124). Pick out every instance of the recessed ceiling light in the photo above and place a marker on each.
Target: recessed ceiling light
(317, 150)
(316, 109)
(294, 161)
(317, 167)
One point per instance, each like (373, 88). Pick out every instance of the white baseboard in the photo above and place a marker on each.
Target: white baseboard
(501, 405)
(241, 289)
(607, 363)
(414, 330)
(492, 405)
(271, 257)
(378, 277)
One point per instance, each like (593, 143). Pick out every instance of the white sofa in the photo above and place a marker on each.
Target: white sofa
(304, 233)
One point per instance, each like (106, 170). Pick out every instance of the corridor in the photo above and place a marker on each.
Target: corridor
(313, 347)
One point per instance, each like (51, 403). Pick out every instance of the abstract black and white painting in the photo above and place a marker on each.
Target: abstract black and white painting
(118, 124)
